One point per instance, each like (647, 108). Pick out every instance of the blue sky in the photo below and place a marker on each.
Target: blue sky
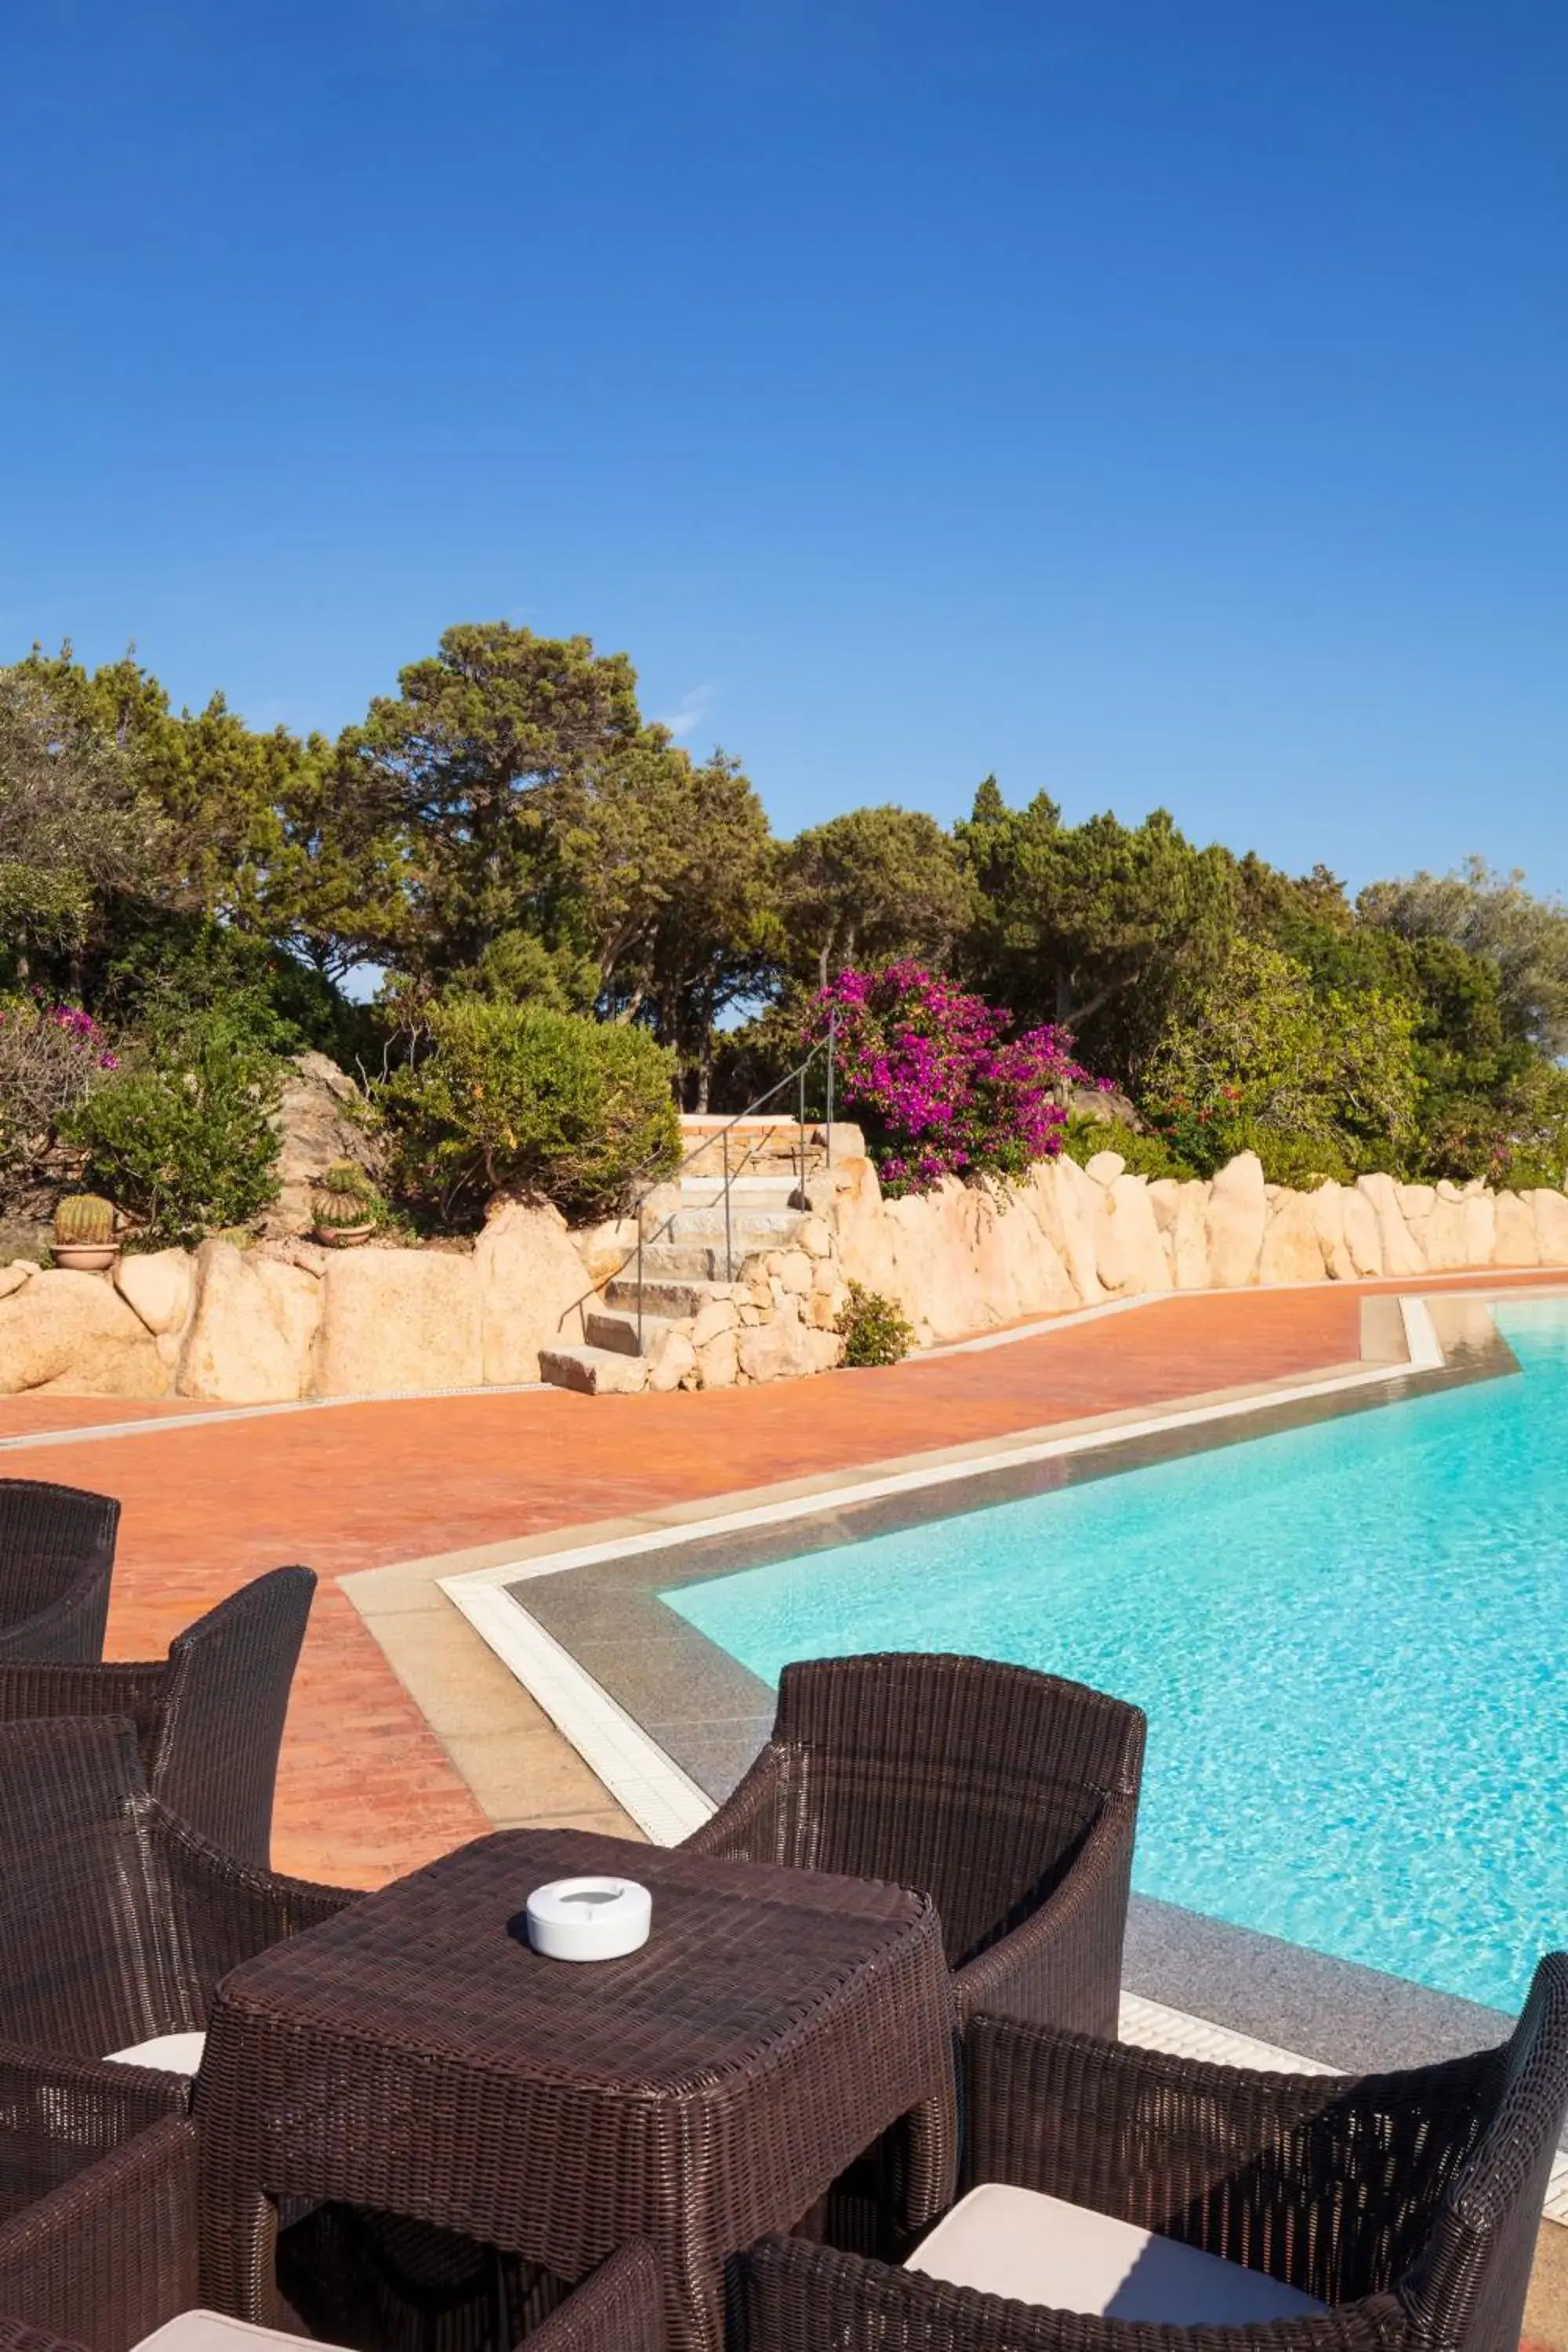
(1161, 401)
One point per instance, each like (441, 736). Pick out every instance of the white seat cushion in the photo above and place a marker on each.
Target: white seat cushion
(1040, 2249)
(177, 2053)
(208, 2331)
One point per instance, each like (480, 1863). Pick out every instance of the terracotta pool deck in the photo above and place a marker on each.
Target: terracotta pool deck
(370, 1786)
(367, 1789)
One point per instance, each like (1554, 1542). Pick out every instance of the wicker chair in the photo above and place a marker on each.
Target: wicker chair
(209, 1717)
(1407, 2204)
(98, 2200)
(57, 1555)
(1010, 1797)
(117, 1920)
(100, 2230)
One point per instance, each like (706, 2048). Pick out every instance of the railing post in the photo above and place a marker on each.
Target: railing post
(639, 1278)
(729, 1251)
(803, 1131)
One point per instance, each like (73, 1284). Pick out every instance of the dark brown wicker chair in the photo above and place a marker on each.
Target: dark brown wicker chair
(117, 1920)
(1008, 1796)
(1407, 2203)
(209, 1717)
(100, 2228)
(98, 2199)
(57, 1555)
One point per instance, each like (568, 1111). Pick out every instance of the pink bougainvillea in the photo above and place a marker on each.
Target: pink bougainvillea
(938, 1084)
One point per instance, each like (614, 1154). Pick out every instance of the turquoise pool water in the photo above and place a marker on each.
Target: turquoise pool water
(1351, 1640)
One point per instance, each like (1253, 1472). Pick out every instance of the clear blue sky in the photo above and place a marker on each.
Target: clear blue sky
(1162, 400)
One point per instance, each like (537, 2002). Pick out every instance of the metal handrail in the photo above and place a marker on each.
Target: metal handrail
(796, 1077)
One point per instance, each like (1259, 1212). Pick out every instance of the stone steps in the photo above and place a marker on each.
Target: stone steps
(619, 1332)
(593, 1372)
(672, 1300)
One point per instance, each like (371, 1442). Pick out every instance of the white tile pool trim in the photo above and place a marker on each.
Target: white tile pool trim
(651, 1787)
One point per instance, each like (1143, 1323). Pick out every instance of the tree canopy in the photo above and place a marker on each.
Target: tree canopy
(509, 829)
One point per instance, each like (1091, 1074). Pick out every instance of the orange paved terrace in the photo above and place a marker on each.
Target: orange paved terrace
(365, 1791)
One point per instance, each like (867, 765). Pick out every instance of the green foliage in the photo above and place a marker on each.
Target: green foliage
(872, 1330)
(1255, 1059)
(161, 965)
(869, 886)
(505, 1097)
(181, 1136)
(1146, 1154)
(76, 823)
(1494, 918)
(1096, 927)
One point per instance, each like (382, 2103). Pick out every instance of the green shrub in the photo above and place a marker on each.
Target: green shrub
(872, 1330)
(181, 1136)
(1146, 1155)
(508, 1098)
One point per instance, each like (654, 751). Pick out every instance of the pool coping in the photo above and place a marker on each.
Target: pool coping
(602, 1654)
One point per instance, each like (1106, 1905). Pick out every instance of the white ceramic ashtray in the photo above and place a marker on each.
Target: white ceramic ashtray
(589, 1918)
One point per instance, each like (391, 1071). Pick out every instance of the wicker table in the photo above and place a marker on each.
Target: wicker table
(413, 2055)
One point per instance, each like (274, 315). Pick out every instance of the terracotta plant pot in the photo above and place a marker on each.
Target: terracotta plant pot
(84, 1257)
(343, 1236)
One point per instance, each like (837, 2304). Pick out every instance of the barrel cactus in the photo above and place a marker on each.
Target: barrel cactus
(83, 1221)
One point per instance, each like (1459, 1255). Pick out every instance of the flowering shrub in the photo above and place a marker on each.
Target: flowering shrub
(52, 1058)
(939, 1086)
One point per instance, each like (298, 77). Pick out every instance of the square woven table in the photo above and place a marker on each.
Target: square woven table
(413, 2055)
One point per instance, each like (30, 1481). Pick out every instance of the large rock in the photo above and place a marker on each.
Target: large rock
(74, 1335)
(718, 1360)
(235, 1350)
(1363, 1235)
(13, 1276)
(294, 1296)
(1128, 1254)
(784, 1349)
(1514, 1223)
(1479, 1210)
(1445, 1235)
(160, 1288)
(1402, 1253)
(395, 1320)
(672, 1358)
(1329, 1225)
(317, 1124)
(1190, 1236)
(1551, 1226)
(1291, 1249)
(1071, 1201)
(1237, 1212)
(532, 1285)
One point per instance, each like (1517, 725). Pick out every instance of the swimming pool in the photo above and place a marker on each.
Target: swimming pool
(1351, 1640)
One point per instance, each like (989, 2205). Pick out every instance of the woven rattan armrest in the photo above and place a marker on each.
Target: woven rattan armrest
(112, 2253)
(799, 2297)
(28, 1691)
(1289, 2174)
(746, 1826)
(60, 2114)
(1062, 1963)
(229, 1913)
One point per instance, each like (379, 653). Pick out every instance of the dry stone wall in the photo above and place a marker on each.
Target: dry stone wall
(289, 1319)
(959, 1260)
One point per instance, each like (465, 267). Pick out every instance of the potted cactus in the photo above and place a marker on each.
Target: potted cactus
(345, 1206)
(84, 1239)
